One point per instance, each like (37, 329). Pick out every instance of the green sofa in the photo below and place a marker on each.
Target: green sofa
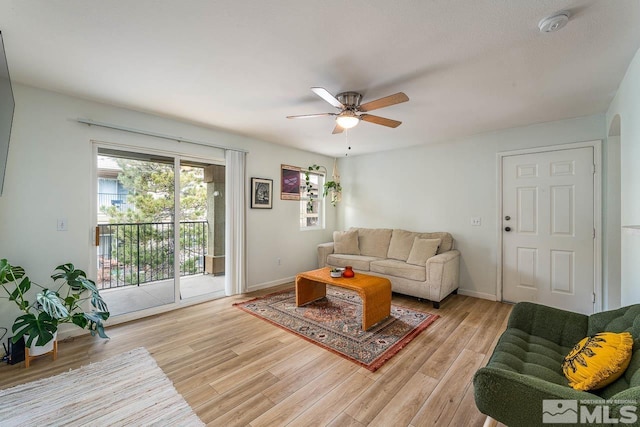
(525, 367)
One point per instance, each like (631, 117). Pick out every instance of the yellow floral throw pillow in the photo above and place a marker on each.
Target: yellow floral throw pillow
(598, 361)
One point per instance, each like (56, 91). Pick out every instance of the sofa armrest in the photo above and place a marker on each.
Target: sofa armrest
(560, 326)
(515, 399)
(443, 271)
(444, 257)
(324, 250)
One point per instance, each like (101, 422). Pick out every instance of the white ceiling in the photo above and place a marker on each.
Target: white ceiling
(242, 66)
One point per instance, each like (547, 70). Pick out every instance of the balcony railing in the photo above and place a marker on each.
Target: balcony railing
(119, 201)
(133, 254)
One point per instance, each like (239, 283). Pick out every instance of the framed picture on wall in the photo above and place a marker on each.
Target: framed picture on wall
(261, 193)
(290, 183)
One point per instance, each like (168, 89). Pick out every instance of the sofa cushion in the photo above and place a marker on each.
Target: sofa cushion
(359, 262)
(527, 354)
(346, 242)
(598, 361)
(397, 268)
(447, 240)
(622, 319)
(374, 241)
(422, 250)
(400, 244)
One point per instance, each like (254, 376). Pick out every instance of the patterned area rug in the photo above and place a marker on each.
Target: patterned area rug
(126, 390)
(335, 323)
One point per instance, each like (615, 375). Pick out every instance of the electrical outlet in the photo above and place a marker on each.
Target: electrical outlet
(62, 224)
(476, 221)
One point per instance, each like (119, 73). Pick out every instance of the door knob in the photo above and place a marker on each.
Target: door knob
(507, 218)
(507, 229)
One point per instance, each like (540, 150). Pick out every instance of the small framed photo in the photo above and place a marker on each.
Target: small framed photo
(290, 183)
(261, 193)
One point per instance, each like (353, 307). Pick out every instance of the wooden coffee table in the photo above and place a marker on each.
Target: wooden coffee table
(374, 291)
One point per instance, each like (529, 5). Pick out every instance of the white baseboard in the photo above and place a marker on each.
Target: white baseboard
(270, 284)
(476, 294)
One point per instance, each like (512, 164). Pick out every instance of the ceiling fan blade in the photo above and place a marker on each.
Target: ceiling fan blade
(384, 102)
(324, 94)
(337, 129)
(308, 116)
(380, 120)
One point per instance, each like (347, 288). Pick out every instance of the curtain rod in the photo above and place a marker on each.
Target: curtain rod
(156, 135)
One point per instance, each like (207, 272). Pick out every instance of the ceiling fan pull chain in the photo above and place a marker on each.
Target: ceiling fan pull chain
(346, 138)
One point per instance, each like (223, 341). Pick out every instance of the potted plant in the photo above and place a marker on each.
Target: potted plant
(52, 307)
(335, 272)
(332, 188)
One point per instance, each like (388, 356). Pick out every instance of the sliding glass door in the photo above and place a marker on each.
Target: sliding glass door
(153, 223)
(135, 233)
(201, 229)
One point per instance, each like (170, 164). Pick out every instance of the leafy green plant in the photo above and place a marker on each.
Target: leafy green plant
(309, 185)
(332, 188)
(53, 306)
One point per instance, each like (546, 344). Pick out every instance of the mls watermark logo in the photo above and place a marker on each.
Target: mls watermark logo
(565, 411)
(560, 411)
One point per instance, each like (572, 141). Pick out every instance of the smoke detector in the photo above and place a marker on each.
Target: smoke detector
(554, 22)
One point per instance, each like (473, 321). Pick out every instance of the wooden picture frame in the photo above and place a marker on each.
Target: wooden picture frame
(290, 182)
(261, 193)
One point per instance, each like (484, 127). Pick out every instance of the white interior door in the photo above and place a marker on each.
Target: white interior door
(548, 229)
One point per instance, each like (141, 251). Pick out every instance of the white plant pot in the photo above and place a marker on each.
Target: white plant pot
(37, 350)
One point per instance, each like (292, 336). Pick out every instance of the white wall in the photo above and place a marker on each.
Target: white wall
(49, 176)
(440, 187)
(626, 105)
(611, 220)
(425, 188)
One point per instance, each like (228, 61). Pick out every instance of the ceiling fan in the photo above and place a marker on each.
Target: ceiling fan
(351, 111)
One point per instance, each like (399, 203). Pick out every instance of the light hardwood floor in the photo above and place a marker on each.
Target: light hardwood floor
(235, 369)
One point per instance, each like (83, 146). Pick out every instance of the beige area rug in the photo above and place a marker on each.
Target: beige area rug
(125, 390)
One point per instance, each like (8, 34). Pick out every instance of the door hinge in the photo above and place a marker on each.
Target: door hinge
(594, 169)
(594, 233)
(593, 299)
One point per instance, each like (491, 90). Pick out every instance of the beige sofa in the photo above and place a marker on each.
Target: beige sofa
(423, 265)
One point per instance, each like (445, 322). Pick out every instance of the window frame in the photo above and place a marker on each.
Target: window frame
(305, 199)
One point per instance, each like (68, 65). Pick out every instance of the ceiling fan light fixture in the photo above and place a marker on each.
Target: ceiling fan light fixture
(347, 120)
(351, 109)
